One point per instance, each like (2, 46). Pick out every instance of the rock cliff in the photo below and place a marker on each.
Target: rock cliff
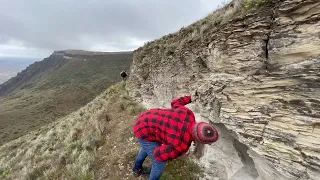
(256, 67)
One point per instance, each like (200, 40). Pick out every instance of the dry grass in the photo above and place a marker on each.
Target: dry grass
(220, 16)
(57, 92)
(116, 157)
(172, 43)
(65, 149)
(95, 142)
(253, 4)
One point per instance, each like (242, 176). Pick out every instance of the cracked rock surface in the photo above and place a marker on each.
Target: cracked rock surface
(258, 76)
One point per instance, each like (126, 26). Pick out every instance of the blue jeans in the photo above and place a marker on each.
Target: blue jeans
(147, 149)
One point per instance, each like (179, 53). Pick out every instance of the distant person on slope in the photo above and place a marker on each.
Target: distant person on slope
(124, 75)
(166, 134)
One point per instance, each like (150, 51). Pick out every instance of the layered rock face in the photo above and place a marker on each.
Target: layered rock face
(257, 74)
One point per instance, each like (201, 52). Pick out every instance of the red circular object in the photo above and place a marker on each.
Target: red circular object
(206, 133)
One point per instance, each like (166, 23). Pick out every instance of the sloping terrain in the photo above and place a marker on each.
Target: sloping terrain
(10, 66)
(256, 67)
(95, 142)
(5, 75)
(55, 87)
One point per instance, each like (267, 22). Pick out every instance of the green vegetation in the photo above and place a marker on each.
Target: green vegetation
(253, 4)
(65, 149)
(186, 37)
(126, 102)
(56, 87)
(95, 142)
(181, 169)
(6, 172)
(117, 88)
(133, 107)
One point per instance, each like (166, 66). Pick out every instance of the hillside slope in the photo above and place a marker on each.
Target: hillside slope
(10, 66)
(4, 76)
(256, 67)
(55, 87)
(94, 142)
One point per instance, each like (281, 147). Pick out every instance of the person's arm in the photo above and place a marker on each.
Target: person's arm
(168, 152)
(181, 101)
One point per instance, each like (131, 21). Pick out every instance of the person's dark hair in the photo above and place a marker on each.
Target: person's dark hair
(123, 74)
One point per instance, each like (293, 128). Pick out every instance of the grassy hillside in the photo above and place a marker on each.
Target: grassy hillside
(55, 87)
(95, 142)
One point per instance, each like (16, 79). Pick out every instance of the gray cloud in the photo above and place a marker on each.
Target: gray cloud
(49, 25)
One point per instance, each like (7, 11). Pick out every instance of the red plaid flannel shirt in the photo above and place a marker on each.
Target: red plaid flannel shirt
(170, 127)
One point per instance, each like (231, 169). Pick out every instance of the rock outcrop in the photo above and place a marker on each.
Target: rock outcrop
(257, 73)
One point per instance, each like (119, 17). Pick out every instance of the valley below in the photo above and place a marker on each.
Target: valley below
(52, 88)
(4, 76)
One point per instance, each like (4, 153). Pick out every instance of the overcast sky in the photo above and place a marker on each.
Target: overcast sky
(35, 28)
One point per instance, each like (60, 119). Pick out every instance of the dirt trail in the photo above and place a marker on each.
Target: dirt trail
(115, 158)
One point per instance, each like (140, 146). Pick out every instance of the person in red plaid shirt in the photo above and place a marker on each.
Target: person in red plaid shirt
(166, 134)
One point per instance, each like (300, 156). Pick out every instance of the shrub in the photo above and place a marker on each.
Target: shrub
(182, 168)
(5, 173)
(37, 172)
(135, 110)
(102, 121)
(74, 145)
(254, 3)
(94, 140)
(117, 88)
(122, 106)
(82, 167)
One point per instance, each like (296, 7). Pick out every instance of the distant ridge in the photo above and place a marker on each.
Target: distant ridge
(56, 86)
(84, 52)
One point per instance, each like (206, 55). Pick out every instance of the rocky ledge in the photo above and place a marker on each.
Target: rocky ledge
(258, 78)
